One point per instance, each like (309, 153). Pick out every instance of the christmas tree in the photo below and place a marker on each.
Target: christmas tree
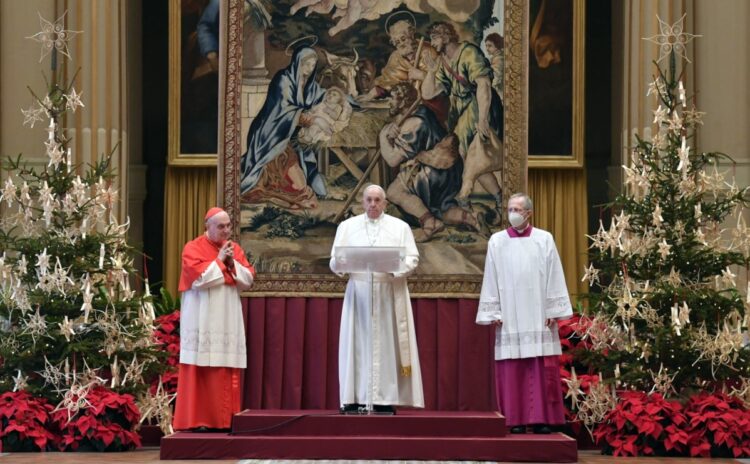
(666, 314)
(71, 322)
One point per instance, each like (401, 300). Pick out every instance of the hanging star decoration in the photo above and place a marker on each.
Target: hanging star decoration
(53, 36)
(675, 123)
(672, 38)
(623, 221)
(75, 399)
(54, 375)
(660, 115)
(35, 326)
(55, 156)
(158, 407)
(650, 315)
(73, 100)
(693, 117)
(742, 391)
(574, 388)
(20, 382)
(133, 372)
(591, 274)
(741, 236)
(663, 382)
(657, 87)
(66, 328)
(728, 278)
(114, 372)
(9, 342)
(657, 218)
(32, 115)
(664, 249)
(680, 317)
(89, 376)
(684, 154)
(595, 406)
(9, 192)
(601, 334)
(22, 265)
(627, 306)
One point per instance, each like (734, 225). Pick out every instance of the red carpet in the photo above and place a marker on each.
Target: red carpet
(325, 434)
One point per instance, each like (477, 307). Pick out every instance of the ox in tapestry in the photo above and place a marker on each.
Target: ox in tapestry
(405, 94)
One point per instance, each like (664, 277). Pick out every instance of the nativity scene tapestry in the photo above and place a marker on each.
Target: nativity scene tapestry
(324, 97)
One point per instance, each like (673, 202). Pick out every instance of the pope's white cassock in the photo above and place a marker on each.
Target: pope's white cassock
(386, 338)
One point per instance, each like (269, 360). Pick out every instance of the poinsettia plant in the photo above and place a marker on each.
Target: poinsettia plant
(167, 337)
(98, 420)
(718, 426)
(643, 425)
(25, 422)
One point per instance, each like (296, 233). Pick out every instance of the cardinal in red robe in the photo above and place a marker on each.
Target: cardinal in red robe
(212, 331)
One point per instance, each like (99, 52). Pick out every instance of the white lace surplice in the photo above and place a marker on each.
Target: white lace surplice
(212, 331)
(523, 286)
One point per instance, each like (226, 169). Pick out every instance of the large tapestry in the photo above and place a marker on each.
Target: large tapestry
(323, 97)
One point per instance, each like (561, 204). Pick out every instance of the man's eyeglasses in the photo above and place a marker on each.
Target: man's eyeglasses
(516, 210)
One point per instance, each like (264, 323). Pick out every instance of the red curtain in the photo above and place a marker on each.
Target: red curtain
(292, 346)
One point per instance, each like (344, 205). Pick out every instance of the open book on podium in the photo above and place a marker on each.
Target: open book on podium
(369, 259)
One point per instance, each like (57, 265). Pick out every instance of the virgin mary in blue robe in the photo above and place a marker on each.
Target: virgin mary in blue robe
(271, 133)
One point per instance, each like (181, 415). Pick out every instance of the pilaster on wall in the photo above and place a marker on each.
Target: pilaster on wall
(633, 69)
(100, 61)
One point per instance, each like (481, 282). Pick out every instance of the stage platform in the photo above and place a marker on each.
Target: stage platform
(410, 434)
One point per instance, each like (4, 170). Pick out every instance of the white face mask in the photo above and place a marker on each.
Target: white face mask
(516, 219)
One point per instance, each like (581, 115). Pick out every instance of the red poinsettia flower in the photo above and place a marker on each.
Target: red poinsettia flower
(25, 422)
(167, 335)
(718, 425)
(643, 425)
(107, 424)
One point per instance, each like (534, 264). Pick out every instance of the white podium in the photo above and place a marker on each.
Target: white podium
(368, 260)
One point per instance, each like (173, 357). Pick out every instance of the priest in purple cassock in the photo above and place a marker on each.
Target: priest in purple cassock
(523, 295)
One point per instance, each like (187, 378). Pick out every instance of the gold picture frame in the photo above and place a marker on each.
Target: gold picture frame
(233, 113)
(182, 150)
(574, 64)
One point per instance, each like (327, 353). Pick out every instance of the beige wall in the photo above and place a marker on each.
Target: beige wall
(20, 67)
(722, 78)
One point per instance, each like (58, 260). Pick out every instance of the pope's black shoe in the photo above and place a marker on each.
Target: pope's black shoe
(384, 409)
(353, 408)
(518, 429)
